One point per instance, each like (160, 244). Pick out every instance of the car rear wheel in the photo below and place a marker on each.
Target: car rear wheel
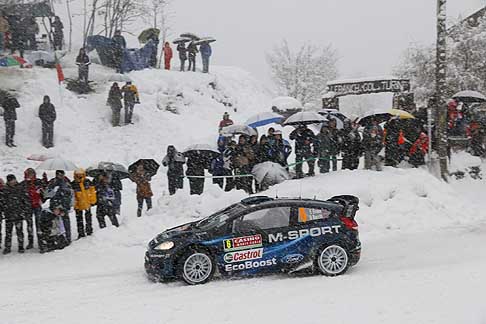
(332, 260)
(197, 267)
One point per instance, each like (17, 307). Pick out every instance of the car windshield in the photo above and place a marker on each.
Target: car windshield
(218, 218)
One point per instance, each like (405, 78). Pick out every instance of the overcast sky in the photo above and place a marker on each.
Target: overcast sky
(368, 34)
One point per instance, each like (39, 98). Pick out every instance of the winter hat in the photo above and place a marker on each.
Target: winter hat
(59, 172)
(11, 177)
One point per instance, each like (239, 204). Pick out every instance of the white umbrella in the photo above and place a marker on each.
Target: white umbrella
(201, 147)
(40, 55)
(470, 96)
(205, 40)
(263, 119)
(335, 114)
(286, 103)
(270, 173)
(305, 118)
(238, 130)
(119, 78)
(57, 164)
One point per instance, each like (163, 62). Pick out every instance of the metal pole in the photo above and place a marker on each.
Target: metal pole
(85, 11)
(441, 70)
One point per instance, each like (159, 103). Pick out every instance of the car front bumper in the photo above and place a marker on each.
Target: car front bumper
(159, 266)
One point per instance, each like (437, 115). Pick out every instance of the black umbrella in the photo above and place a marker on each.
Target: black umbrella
(181, 40)
(191, 36)
(379, 117)
(117, 170)
(149, 165)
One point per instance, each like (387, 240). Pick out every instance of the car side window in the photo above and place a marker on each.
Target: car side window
(268, 218)
(312, 214)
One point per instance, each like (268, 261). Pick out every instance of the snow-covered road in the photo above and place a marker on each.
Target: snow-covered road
(431, 277)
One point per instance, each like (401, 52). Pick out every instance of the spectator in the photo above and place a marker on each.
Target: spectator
(196, 163)
(105, 202)
(372, 145)
(31, 29)
(83, 62)
(225, 122)
(351, 145)
(34, 187)
(144, 190)
(119, 48)
(418, 150)
(84, 198)
(327, 147)
(58, 33)
(10, 104)
(47, 115)
(476, 132)
(271, 135)
(192, 52)
(167, 55)
(175, 172)
(304, 141)
(117, 186)
(393, 151)
(60, 193)
(263, 151)
(280, 149)
(52, 234)
(4, 28)
(181, 48)
(206, 53)
(243, 160)
(130, 98)
(115, 102)
(16, 207)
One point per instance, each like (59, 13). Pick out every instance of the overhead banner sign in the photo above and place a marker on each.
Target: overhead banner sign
(340, 89)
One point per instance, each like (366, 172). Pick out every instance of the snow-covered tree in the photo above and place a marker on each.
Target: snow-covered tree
(466, 66)
(303, 74)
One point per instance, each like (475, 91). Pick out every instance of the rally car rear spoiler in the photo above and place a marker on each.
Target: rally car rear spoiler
(350, 204)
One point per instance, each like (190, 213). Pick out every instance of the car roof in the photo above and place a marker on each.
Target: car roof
(264, 201)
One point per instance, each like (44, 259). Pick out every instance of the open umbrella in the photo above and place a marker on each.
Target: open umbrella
(469, 96)
(192, 36)
(336, 115)
(380, 117)
(9, 61)
(286, 103)
(117, 169)
(201, 147)
(118, 77)
(150, 166)
(148, 34)
(205, 40)
(238, 130)
(181, 40)
(263, 119)
(45, 56)
(57, 163)
(270, 173)
(305, 118)
(402, 114)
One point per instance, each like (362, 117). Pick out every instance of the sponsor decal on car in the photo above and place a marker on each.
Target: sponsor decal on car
(313, 232)
(240, 256)
(292, 258)
(250, 265)
(242, 243)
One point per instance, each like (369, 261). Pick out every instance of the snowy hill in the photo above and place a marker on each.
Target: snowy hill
(412, 225)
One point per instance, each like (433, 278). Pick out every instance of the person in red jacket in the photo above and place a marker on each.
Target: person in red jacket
(418, 150)
(167, 55)
(225, 122)
(34, 188)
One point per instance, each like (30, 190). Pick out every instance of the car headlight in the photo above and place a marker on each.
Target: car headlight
(165, 246)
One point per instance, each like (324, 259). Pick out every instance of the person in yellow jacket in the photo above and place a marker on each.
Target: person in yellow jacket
(84, 198)
(130, 98)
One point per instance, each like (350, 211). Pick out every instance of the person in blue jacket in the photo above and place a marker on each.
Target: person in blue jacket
(206, 53)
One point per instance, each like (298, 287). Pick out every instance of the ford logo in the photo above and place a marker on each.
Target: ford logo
(293, 258)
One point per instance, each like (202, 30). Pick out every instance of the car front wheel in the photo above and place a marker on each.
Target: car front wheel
(332, 260)
(197, 267)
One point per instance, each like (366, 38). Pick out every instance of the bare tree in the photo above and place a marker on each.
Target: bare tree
(118, 14)
(305, 73)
